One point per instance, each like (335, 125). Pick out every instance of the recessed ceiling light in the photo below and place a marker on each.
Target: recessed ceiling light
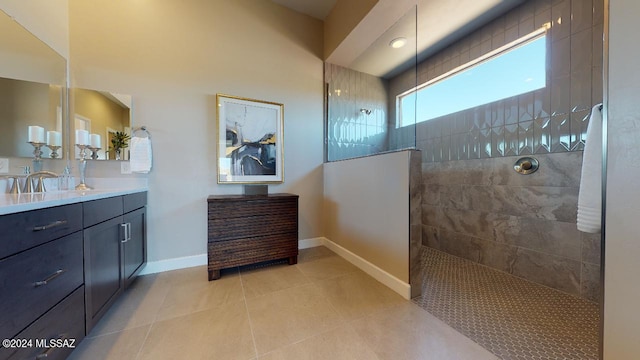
(397, 43)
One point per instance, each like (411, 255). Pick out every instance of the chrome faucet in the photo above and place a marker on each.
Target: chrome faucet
(41, 175)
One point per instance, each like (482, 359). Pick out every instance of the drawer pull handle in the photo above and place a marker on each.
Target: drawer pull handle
(127, 232)
(45, 354)
(50, 278)
(49, 226)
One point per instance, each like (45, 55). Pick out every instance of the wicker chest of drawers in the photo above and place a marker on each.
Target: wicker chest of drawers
(246, 229)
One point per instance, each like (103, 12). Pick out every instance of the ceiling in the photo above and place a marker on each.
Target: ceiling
(429, 26)
(319, 9)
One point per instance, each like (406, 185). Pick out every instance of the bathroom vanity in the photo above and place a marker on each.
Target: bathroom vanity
(65, 257)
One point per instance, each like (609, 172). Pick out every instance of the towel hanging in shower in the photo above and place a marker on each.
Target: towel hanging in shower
(590, 195)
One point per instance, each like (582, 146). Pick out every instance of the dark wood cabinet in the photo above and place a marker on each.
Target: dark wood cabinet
(24, 230)
(114, 250)
(41, 275)
(248, 229)
(62, 267)
(102, 263)
(64, 324)
(37, 279)
(135, 247)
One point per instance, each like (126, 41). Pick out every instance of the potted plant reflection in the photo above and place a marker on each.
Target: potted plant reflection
(119, 141)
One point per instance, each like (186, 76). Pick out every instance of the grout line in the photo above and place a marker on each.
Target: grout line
(164, 298)
(144, 341)
(362, 338)
(310, 282)
(305, 339)
(115, 331)
(246, 308)
(155, 318)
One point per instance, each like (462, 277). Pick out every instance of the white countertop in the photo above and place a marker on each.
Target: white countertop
(12, 203)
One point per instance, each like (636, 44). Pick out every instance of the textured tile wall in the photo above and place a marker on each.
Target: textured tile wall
(553, 119)
(474, 205)
(484, 211)
(415, 223)
(351, 133)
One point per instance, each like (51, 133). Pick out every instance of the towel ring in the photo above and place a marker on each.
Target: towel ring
(143, 130)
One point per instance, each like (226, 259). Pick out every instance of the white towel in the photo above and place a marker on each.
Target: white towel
(140, 154)
(590, 196)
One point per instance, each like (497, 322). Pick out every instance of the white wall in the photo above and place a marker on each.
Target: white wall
(367, 209)
(173, 57)
(622, 252)
(48, 20)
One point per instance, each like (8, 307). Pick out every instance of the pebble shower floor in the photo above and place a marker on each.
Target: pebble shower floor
(511, 317)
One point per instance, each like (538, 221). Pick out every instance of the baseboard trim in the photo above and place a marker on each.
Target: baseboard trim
(310, 243)
(392, 282)
(374, 271)
(153, 267)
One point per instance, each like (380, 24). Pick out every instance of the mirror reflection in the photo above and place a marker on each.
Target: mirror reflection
(102, 121)
(30, 112)
(32, 79)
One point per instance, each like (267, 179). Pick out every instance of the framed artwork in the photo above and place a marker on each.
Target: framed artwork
(250, 141)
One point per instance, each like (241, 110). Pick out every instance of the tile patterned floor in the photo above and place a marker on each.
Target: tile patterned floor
(511, 317)
(321, 308)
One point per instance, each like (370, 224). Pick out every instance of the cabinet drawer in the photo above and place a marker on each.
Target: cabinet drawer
(35, 280)
(221, 229)
(65, 323)
(134, 201)
(27, 229)
(97, 211)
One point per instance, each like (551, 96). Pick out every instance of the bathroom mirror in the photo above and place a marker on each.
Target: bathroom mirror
(32, 92)
(104, 115)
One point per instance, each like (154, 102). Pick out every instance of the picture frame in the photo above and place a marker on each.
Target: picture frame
(250, 140)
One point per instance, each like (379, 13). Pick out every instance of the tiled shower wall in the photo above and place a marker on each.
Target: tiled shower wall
(553, 119)
(484, 211)
(474, 204)
(350, 131)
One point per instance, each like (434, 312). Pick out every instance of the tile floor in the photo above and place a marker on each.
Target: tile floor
(511, 317)
(321, 308)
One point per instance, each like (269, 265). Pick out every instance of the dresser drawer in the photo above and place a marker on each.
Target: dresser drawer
(221, 229)
(251, 206)
(63, 325)
(27, 229)
(35, 280)
(238, 252)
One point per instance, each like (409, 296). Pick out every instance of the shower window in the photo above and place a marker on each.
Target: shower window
(516, 68)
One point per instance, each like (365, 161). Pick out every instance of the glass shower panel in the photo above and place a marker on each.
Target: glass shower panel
(357, 113)
(361, 96)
